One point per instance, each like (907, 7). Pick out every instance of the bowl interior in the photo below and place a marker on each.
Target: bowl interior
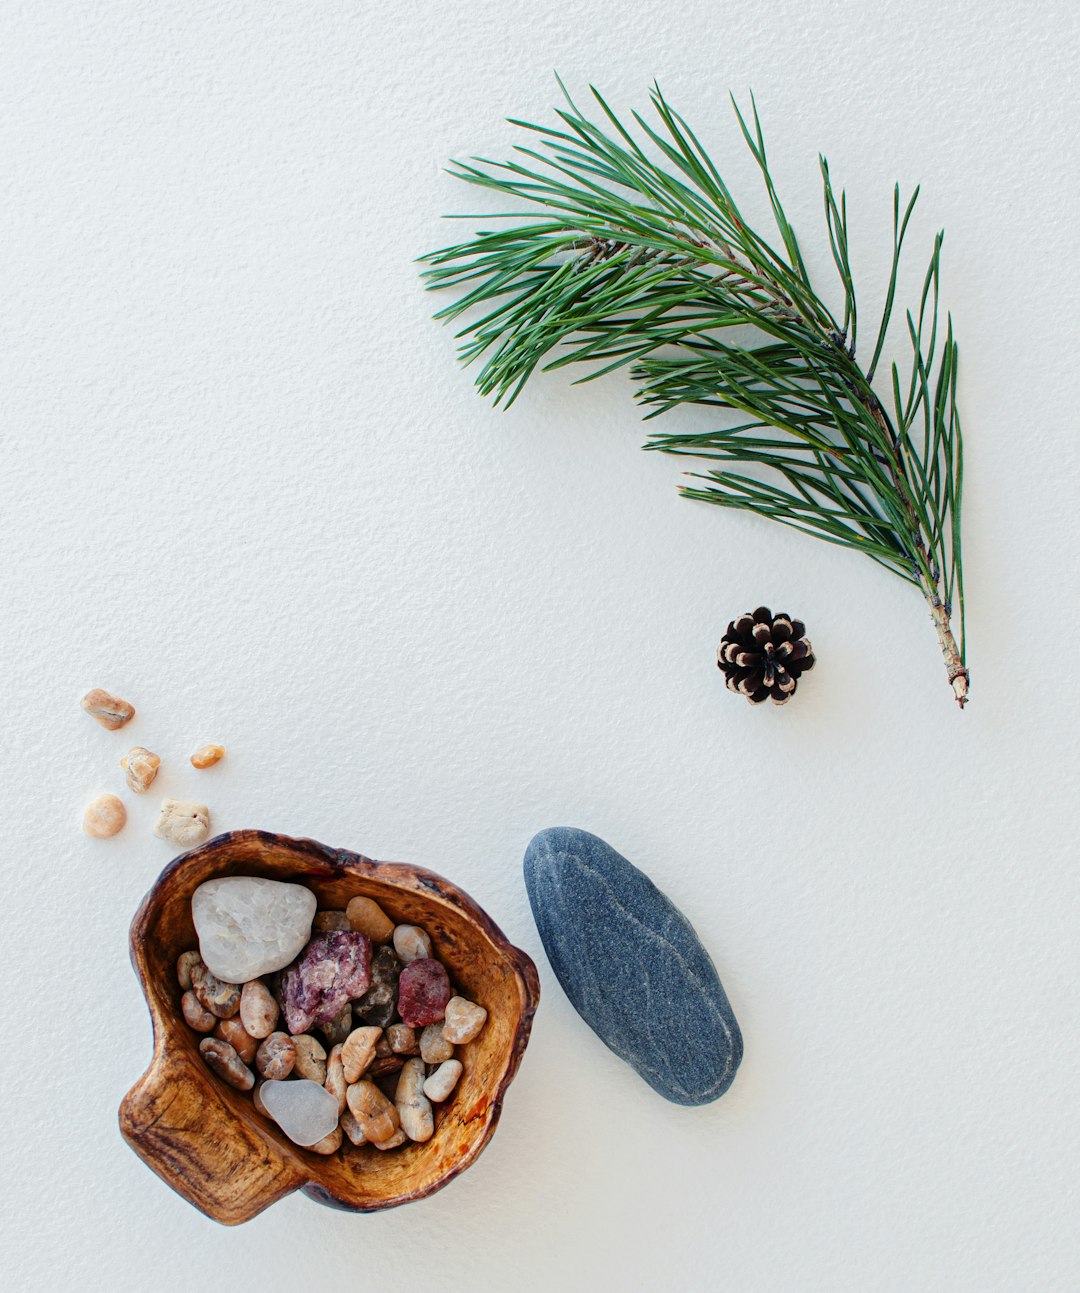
(482, 965)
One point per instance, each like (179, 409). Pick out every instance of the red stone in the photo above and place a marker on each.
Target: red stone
(334, 968)
(423, 991)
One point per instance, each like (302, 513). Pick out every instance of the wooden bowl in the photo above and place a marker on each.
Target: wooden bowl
(208, 1142)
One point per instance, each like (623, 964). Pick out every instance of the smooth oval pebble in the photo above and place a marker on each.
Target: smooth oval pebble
(249, 926)
(632, 966)
(305, 1111)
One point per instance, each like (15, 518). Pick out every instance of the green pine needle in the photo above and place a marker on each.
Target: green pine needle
(639, 257)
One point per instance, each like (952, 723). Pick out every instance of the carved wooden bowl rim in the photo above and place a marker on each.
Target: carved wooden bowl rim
(265, 1166)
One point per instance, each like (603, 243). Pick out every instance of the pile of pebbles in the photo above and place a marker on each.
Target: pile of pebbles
(354, 1037)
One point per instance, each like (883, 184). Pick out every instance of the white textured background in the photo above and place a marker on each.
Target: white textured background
(245, 485)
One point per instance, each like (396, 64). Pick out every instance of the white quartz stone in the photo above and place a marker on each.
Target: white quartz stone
(305, 1111)
(249, 926)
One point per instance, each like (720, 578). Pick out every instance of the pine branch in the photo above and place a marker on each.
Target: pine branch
(642, 259)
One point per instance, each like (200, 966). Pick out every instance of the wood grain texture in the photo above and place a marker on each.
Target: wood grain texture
(208, 1142)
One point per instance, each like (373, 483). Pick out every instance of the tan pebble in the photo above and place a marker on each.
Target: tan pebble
(329, 1144)
(411, 942)
(335, 1078)
(463, 1020)
(352, 1128)
(104, 817)
(242, 1042)
(440, 1083)
(196, 1014)
(376, 1115)
(220, 998)
(310, 1058)
(140, 767)
(367, 917)
(330, 921)
(207, 756)
(403, 1039)
(182, 824)
(276, 1057)
(258, 1009)
(358, 1051)
(225, 1062)
(398, 1138)
(110, 711)
(184, 962)
(413, 1106)
(434, 1048)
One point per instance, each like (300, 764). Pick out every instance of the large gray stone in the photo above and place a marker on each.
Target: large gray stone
(632, 966)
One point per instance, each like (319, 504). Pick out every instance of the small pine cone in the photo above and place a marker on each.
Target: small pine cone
(762, 656)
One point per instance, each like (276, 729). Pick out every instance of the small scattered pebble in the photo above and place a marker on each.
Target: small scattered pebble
(434, 1048)
(413, 1106)
(242, 1042)
(140, 767)
(104, 817)
(463, 1020)
(258, 1009)
(110, 711)
(225, 1062)
(220, 998)
(310, 1059)
(423, 991)
(327, 920)
(376, 1115)
(411, 942)
(304, 1110)
(276, 1057)
(365, 915)
(182, 824)
(439, 1084)
(207, 756)
(196, 1014)
(335, 1077)
(184, 962)
(358, 1051)
(403, 1040)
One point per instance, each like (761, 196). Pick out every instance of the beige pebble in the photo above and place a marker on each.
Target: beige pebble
(335, 1078)
(376, 1115)
(463, 1020)
(182, 824)
(434, 1048)
(329, 1144)
(310, 1058)
(352, 1128)
(258, 1009)
(206, 756)
(110, 711)
(367, 917)
(104, 817)
(440, 1083)
(220, 998)
(411, 942)
(196, 1014)
(358, 1051)
(225, 1062)
(242, 1042)
(329, 921)
(140, 767)
(184, 962)
(398, 1138)
(413, 1106)
(403, 1039)
(276, 1057)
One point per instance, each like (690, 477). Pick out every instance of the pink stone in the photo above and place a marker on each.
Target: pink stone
(334, 968)
(423, 991)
